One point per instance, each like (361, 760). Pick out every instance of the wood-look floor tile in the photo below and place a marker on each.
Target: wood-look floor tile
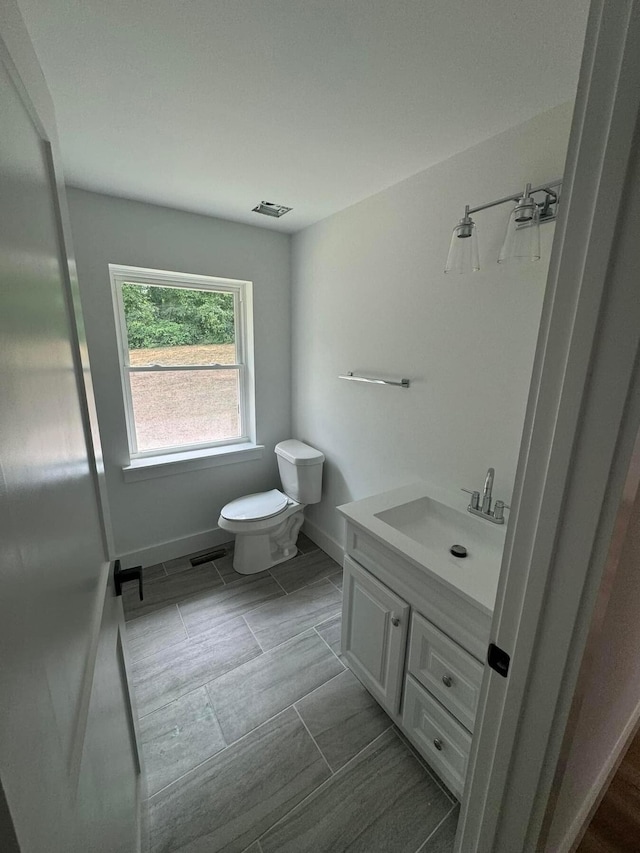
(224, 565)
(177, 738)
(252, 693)
(444, 836)
(382, 801)
(279, 620)
(169, 590)
(304, 569)
(337, 579)
(154, 632)
(421, 760)
(213, 607)
(304, 544)
(166, 675)
(342, 718)
(227, 802)
(331, 632)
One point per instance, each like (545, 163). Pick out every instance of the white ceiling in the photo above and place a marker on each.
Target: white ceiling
(213, 105)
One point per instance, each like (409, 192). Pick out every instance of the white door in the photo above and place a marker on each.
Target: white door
(374, 634)
(582, 420)
(68, 763)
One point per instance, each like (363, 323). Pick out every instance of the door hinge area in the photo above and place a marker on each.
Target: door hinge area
(498, 660)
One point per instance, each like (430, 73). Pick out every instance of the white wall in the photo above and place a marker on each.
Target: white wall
(611, 702)
(370, 295)
(180, 509)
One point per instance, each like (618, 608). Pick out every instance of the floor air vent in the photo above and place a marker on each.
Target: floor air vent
(206, 558)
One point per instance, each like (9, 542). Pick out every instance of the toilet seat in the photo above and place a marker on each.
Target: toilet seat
(256, 507)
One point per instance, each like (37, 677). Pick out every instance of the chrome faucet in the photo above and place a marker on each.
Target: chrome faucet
(495, 515)
(488, 489)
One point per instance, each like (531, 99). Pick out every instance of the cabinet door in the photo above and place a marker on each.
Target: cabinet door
(374, 634)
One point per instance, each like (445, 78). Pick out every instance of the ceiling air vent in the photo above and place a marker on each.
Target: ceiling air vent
(271, 209)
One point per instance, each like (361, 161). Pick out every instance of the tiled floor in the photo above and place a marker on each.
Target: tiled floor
(255, 736)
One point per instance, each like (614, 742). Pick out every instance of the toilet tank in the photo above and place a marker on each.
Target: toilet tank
(300, 469)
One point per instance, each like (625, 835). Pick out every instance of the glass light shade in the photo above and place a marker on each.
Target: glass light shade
(463, 252)
(522, 240)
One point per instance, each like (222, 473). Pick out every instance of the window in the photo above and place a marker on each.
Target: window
(185, 360)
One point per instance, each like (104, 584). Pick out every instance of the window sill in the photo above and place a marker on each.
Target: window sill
(164, 465)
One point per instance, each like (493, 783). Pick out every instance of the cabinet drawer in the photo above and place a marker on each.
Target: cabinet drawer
(442, 741)
(445, 669)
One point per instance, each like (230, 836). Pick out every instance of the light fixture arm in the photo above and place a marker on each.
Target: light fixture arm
(546, 188)
(522, 240)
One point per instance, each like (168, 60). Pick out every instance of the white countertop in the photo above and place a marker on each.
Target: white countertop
(474, 577)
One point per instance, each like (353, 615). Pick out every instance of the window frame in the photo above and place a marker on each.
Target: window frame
(243, 314)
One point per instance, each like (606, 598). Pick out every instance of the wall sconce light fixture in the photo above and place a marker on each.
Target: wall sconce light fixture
(522, 238)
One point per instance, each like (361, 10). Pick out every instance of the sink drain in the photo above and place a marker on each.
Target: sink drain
(458, 551)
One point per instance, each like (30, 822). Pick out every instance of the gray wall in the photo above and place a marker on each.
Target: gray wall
(370, 295)
(180, 509)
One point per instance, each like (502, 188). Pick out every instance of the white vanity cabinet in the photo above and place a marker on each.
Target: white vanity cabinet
(418, 647)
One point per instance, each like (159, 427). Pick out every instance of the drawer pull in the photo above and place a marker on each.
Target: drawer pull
(447, 680)
(437, 743)
(395, 621)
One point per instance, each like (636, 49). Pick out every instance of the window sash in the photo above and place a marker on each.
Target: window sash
(180, 448)
(150, 368)
(124, 275)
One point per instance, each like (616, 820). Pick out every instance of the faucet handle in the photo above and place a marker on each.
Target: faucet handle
(498, 510)
(474, 503)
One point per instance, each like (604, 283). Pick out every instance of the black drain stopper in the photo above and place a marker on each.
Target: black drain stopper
(458, 551)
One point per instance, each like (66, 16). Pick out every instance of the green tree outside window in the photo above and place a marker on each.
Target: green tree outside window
(176, 316)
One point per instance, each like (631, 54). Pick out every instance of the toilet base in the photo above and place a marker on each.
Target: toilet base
(256, 552)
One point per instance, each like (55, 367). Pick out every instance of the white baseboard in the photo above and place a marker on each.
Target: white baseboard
(211, 539)
(324, 541)
(175, 548)
(585, 813)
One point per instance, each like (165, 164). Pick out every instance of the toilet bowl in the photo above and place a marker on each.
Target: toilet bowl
(266, 524)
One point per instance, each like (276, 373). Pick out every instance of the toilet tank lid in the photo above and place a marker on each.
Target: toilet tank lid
(299, 453)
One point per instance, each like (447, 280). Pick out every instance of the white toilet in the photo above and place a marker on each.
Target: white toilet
(267, 524)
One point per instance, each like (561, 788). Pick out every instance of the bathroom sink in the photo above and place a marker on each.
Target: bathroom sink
(437, 527)
(422, 523)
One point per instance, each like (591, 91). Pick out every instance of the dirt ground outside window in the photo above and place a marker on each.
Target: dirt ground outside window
(179, 407)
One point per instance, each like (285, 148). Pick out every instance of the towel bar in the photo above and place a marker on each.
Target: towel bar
(403, 383)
